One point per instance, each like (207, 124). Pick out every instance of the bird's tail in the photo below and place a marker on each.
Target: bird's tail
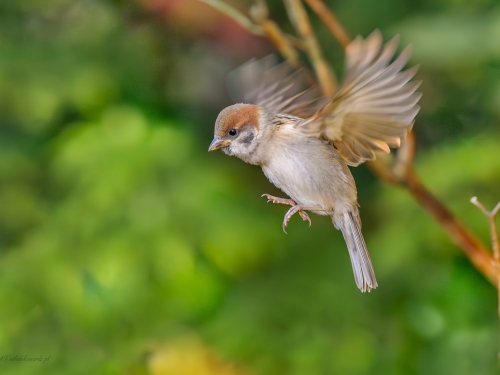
(350, 225)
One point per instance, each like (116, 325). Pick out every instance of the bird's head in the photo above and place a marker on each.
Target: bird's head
(237, 131)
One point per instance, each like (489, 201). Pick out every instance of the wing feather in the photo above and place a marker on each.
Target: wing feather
(278, 88)
(375, 106)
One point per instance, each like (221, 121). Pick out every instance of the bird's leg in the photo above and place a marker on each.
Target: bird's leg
(292, 211)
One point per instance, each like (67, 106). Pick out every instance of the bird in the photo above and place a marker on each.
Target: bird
(305, 141)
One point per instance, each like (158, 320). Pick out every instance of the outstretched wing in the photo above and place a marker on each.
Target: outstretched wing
(278, 88)
(375, 106)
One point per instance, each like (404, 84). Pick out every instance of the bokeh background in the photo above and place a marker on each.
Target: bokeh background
(125, 248)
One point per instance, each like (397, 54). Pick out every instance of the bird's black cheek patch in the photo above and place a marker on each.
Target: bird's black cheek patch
(248, 139)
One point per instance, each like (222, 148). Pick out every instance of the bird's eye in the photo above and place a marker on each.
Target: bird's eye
(233, 132)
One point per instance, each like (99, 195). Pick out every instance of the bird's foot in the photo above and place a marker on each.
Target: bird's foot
(292, 211)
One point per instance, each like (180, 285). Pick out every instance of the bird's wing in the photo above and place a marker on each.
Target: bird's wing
(375, 106)
(278, 88)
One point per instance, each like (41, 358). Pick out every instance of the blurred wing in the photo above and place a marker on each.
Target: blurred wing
(277, 88)
(375, 106)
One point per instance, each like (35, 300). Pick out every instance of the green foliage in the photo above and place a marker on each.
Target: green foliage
(118, 231)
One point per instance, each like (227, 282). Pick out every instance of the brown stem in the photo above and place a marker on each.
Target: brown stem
(473, 248)
(330, 21)
(283, 45)
(404, 157)
(281, 41)
(496, 249)
(300, 20)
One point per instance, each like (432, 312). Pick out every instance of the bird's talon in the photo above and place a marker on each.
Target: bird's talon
(305, 216)
(292, 211)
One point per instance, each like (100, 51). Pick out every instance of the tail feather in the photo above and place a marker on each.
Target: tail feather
(364, 274)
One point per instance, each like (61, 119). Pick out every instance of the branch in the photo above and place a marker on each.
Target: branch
(285, 43)
(401, 171)
(236, 15)
(491, 215)
(472, 247)
(300, 20)
(405, 157)
(330, 21)
(281, 41)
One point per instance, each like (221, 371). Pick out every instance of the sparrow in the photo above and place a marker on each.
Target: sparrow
(304, 141)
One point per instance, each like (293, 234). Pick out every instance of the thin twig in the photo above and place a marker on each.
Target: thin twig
(300, 20)
(260, 14)
(404, 157)
(236, 15)
(330, 21)
(491, 215)
(284, 42)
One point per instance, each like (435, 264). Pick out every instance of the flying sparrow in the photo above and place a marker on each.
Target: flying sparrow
(305, 141)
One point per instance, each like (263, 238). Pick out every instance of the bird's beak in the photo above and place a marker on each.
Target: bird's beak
(218, 143)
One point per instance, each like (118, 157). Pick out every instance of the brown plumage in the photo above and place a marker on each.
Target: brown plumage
(304, 141)
(236, 117)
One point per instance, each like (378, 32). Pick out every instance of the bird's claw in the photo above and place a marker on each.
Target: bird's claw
(273, 199)
(305, 216)
(292, 211)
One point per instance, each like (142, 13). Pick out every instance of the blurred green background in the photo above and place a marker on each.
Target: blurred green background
(125, 248)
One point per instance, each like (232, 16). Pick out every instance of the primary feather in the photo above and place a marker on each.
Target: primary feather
(376, 104)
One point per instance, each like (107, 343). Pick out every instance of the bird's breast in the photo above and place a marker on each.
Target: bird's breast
(311, 172)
